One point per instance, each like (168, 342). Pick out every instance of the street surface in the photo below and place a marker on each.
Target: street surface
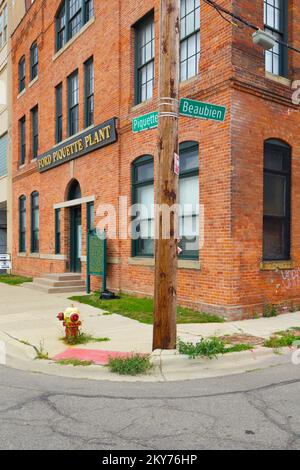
(257, 410)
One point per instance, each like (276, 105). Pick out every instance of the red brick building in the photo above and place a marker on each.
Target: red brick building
(81, 66)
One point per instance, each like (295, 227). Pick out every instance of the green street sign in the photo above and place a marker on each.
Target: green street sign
(145, 123)
(201, 110)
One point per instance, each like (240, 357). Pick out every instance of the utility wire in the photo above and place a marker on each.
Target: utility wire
(221, 10)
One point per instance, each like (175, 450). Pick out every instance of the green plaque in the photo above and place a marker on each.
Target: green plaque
(96, 258)
(97, 255)
(201, 110)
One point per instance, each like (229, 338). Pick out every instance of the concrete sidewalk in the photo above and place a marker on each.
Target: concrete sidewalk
(31, 316)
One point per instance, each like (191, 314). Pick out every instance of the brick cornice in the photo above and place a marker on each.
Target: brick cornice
(267, 94)
(24, 173)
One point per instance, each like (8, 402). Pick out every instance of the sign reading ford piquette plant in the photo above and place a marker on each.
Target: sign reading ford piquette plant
(98, 137)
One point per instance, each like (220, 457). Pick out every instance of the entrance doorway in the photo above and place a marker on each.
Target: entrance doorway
(75, 239)
(74, 194)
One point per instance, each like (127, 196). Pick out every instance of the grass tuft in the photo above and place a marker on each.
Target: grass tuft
(14, 280)
(83, 338)
(270, 311)
(239, 348)
(40, 352)
(210, 348)
(282, 339)
(141, 309)
(75, 363)
(133, 365)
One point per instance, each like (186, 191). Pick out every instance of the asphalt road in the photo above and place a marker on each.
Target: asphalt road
(257, 410)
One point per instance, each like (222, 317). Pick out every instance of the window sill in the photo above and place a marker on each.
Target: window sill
(193, 79)
(69, 43)
(278, 79)
(138, 106)
(149, 262)
(276, 265)
(21, 94)
(22, 166)
(33, 81)
(53, 257)
(189, 264)
(22, 255)
(140, 261)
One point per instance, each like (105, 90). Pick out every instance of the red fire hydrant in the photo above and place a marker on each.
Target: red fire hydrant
(71, 321)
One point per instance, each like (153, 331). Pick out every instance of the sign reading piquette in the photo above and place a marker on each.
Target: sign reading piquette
(93, 139)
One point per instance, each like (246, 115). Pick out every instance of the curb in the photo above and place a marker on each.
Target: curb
(168, 365)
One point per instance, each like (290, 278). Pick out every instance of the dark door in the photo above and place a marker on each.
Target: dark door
(76, 240)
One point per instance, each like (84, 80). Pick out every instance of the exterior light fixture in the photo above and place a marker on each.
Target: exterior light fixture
(264, 39)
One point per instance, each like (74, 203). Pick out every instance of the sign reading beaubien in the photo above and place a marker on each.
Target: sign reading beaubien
(80, 145)
(202, 110)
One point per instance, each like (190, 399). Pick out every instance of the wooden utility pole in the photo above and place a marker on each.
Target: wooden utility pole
(164, 336)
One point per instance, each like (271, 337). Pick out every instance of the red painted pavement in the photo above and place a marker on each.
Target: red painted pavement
(98, 357)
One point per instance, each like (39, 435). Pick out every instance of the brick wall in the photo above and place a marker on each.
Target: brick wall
(230, 280)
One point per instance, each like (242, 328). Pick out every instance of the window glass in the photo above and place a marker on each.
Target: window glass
(35, 222)
(71, 17)
(189, 200)
(145, 59)
(275, 19)
(277, 201)
(190, 38)
(143, 193)
(22, 224)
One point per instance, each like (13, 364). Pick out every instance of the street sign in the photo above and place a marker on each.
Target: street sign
(201, 110)
(4, 265)
(145, 123)
(5, 257)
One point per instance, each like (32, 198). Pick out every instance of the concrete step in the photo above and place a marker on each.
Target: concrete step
(54, 290)
(55, 283)
(63, 277)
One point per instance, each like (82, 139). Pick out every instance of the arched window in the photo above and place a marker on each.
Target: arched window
(277, 200)
(71, 17)
(35, 222)
(143, 193)
(22, 224)
(189, 200)
(22, 74)
(34, 61)
(74, 191)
